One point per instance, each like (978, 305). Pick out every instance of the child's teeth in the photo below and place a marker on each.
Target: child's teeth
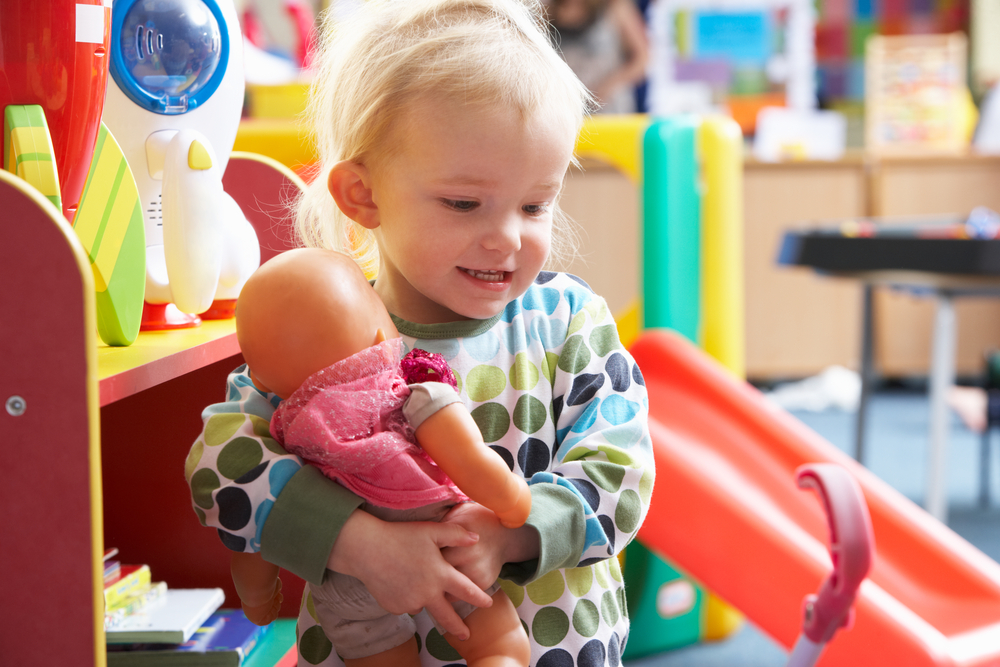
(492, 276)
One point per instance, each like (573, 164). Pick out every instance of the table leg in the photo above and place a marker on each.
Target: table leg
(867, 369)
(941, 380)
(984, 469)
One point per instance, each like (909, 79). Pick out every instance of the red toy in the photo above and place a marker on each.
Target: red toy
(55, 54)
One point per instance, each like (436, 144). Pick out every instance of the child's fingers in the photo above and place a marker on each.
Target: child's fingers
(463, 588)
(448, 618)
(453, 535)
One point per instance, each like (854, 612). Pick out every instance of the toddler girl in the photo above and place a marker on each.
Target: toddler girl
(445, 129)
(313, 331)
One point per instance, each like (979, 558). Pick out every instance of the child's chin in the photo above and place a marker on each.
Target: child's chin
(480, 311)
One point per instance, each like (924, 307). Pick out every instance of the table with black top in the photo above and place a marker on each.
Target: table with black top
(937, 259)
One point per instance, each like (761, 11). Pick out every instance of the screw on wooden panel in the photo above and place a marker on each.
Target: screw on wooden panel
(16, 406)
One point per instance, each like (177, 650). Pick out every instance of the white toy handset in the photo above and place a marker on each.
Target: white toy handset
(209, 247)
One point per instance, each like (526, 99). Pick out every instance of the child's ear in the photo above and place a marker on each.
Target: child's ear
(350, 185)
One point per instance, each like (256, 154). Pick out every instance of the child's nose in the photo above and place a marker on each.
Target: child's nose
(504, 234)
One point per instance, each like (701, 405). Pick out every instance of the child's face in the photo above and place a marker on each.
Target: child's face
(465, 206)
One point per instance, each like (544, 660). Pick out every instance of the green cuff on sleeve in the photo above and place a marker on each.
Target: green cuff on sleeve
(558, 517)
(299, 532)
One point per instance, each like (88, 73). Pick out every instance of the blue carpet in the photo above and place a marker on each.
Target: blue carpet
(896, 451)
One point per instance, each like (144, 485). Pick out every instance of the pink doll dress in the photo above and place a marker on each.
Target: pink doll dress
(348, 421)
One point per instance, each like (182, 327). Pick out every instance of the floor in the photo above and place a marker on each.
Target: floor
(896, 452)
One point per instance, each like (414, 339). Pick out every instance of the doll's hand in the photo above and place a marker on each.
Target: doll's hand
(517, 514)
(481, 561)
(402, 566)
(267, 612)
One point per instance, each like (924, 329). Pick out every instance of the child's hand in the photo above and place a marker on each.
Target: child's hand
(402, 566)
(482, 560)
(267, 612)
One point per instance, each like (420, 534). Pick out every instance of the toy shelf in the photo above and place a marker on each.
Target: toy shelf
(97, 436)
(159, 356)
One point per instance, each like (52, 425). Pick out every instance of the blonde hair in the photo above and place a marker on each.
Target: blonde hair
(389, 54)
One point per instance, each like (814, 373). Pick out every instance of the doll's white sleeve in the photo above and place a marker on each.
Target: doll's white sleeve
(425, 399)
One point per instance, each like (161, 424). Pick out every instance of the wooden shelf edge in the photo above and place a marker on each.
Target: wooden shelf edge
(146, 368)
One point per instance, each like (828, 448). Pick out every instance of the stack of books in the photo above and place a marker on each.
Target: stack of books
(148, 624)
(127, 590)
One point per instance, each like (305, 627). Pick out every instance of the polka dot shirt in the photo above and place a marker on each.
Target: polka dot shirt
(555, 394)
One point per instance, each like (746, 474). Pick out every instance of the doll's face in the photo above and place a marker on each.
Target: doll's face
(303, 311)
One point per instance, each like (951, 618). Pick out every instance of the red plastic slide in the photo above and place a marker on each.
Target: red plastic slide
(727, 510)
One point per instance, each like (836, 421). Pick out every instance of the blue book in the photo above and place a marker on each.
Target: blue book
(224, 640)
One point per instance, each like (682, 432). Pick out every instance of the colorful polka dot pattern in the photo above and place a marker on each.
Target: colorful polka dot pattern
(555, 394)
(235, 469)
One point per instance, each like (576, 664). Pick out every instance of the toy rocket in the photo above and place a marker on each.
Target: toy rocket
(174, 104)
(54, 54)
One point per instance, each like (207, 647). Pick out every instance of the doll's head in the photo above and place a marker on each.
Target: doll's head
(302, 311)
(393, 55)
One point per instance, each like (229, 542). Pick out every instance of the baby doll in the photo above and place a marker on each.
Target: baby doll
(393, 431)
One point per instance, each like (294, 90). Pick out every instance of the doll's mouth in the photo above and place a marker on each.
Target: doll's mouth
(488, 276)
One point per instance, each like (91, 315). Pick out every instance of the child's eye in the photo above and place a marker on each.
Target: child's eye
(535, 209)
(460, 204)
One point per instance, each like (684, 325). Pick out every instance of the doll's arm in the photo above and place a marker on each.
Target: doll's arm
(258, 586)
(451, 437)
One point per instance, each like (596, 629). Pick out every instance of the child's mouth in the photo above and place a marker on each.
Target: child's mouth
(487, 276)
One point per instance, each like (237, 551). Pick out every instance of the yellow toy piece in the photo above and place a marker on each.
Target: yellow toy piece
(198, 157)
(722, 242)
(615, 139)
(109, 224)
(27, 149)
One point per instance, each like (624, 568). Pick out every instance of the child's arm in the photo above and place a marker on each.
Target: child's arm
(258, 586)
(256, 495)
(452, 439)
(591, 487)
(294, 515)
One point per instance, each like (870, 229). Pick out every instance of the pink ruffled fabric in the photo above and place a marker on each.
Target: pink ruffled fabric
(348, 421)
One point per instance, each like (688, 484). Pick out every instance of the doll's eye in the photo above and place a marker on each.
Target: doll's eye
(460, 204)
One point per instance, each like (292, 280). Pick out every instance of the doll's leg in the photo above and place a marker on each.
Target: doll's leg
(363, 634)
(496, 638)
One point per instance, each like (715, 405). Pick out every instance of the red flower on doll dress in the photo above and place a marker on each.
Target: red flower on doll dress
(348, 421)
(423, 366)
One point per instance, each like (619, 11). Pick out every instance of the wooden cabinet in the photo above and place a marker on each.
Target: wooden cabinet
(908, 188)
(798, 322)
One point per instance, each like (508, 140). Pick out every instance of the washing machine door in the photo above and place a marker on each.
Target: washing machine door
(168, 56)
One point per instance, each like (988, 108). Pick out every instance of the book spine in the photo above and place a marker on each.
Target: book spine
(134, 578)
(114, 616)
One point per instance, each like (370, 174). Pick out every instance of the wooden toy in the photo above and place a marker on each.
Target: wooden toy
(28, 151)
(109, 224)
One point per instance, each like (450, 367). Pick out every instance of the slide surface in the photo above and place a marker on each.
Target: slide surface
(727, 510)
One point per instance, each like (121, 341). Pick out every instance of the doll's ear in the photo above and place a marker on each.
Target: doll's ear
(350, 185)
